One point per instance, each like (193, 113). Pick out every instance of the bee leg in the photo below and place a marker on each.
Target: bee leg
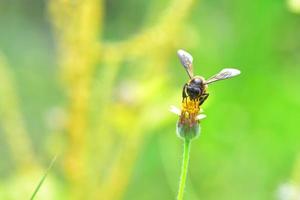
(203, 97)
(184, 95)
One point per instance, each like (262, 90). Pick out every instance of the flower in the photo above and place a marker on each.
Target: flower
(189, 119)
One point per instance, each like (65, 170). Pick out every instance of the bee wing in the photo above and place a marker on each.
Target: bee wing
(186, 60)
(223, 74)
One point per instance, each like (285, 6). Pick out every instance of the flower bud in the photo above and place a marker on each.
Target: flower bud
(188, 125)
(187, 130)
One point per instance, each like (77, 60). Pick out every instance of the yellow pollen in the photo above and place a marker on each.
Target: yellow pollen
(190, 107)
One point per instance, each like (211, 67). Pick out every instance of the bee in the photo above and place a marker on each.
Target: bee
(195, 90)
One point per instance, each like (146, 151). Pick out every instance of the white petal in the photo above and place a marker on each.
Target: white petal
(175, 110)
(200, 116)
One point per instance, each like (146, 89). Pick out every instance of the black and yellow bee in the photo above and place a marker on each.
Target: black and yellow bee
(194, 92)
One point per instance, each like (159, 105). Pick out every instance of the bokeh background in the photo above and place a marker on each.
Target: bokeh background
(92, 82)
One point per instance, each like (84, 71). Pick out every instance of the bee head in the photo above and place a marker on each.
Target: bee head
(195, 87)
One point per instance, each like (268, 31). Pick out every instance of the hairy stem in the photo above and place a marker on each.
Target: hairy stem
(184, 168)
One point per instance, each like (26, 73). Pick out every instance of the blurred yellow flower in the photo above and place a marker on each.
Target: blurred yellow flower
(294, 6)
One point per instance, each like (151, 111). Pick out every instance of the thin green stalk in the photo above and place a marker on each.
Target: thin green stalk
(184, 168)
(43, 178)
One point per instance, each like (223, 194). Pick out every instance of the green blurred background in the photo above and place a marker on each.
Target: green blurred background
(92, 81)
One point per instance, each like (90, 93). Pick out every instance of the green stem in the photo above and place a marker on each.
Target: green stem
(184, 168)
(43, 178)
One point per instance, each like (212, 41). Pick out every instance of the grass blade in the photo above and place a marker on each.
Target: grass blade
(43, 178)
